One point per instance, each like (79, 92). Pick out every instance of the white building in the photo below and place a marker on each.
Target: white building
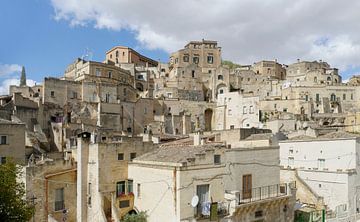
(329, 165)
(166, 180)
(235, 110)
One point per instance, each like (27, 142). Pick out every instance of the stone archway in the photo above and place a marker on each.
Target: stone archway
(208, 119)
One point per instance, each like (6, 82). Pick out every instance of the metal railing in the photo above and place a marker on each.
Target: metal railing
(263, 193)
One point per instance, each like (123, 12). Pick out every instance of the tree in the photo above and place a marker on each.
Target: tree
(141, 217)
(13, 205)
(230, 64)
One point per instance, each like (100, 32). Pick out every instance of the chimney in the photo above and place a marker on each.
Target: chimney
(83, 142)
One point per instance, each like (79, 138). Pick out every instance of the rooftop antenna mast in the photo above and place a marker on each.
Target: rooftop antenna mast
(88, 54)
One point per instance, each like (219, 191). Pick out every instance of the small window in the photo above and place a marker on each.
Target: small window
(291, 161)
(193, 73)
(321, 163)
(3, 140)
(130, 186)
(123, 53)
(98, 72)
(124, 203)
(220, 77)
(117, 53)
(2, 160)
(107, 97)
(306, 97)
(251, 110)
(232, 127)
(52, 94)
(186, 58)
(138, 190)
(221, 91)
(176, 60)
(59, 199)
(258, 213)
(210, 59)
(132, 156)
(196, 59)
(351, 97)
(229, 112)
(120, 156)
(110, 74)
(120, 188)
(344, 96)
(244, 110)
(217, 159)
(291, 151)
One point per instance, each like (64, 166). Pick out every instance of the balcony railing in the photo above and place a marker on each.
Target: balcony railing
(263, 193)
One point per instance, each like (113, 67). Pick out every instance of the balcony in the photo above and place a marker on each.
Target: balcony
(263, 193)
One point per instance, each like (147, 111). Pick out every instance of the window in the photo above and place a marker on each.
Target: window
(176, 60)
(291, 151)
(138, 190)
(229, 112)
(317, 97)
(344, 96)
(3, 140)
(124, 204)
(117, 53)
(132, 156)
(258, 213)
(306, 97)
(130, 186)
(123, 53)
(74, 95)
(196, 59)
(120, 156)
(59, 199)
(98, 72)
(120, 188)
(232, 127)
(124, 92)
(220, 77)
(107, 97)
(251, 109)
(210, 59)
(291, 161)
(244, 109)
(332, 97)
(109, 74)
(321, 163)
(140, 77)
(193, 73)
(217, 159)
(2, 160)
(221, 91)
(351, 97)
(52, 94)
(186, 58)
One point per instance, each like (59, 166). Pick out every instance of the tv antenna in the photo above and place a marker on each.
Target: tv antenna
(87, 54)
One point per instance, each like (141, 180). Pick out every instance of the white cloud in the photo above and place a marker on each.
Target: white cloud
(248, 30)
(5, 84)
(7, 69)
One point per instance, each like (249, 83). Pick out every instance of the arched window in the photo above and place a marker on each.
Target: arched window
(315, 79)
(328, 78)
(220, 77)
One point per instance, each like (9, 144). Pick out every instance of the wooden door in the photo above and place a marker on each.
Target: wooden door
(247, 186)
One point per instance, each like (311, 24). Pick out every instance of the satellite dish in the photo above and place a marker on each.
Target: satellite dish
(194, 201)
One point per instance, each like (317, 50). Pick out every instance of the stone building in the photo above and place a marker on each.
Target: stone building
(166, 180)
(326, 173)
(270, 68)
(12, 142)
(126, 55)
(104, 190)
(236, 110)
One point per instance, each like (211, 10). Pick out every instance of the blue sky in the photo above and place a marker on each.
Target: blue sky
(46, 35)
(32, 37)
